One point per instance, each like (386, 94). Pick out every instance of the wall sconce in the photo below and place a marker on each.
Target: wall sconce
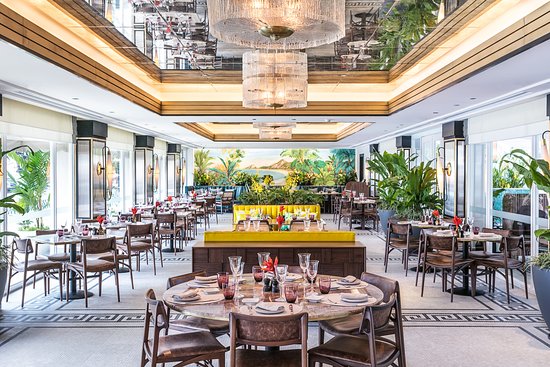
(155, 171)
(442, 170)
(545, 145)
(106, 167)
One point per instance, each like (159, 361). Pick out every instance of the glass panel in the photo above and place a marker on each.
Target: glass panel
(64, 184)
(478, 184)
(83, 172)
(99, 196)
(140, 173)
(511, 198)
(114, 205)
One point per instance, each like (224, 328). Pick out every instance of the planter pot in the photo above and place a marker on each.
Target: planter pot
(541, 280)
(385, 216)
(3, 282)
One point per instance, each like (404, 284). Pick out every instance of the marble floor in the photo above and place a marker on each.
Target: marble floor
(481, 331)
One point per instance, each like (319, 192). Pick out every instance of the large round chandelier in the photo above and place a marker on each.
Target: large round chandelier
(273, 79)
(298, 24)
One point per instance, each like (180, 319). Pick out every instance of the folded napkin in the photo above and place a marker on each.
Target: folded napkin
(212, 278)
(444, 232)
(349, 279)
(186, 296)
(270, 307)
(354, 297)
(486, 235)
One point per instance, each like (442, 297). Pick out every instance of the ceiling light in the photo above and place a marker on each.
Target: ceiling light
(274, 79)
(275, 134)
(273, 125)
(259, 23)
(75, 98)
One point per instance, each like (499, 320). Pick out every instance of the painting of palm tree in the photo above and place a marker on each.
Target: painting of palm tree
(203, 160)
(305, 160)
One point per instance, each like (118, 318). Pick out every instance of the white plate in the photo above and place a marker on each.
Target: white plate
(211, 290)
(357, 282)
(251, 301)
(281, 309)
(314, 299)
(354, 300)
(190, 299)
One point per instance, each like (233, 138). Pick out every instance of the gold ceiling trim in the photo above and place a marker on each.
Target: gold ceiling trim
(202, 130)
(235, 108)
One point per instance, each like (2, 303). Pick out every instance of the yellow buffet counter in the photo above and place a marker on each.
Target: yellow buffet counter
(276, 236)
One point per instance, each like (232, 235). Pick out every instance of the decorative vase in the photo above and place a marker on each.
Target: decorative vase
(100, 230)
(3, 282)
(280, 221)
(385, 216)
(541, 281)
(133, 218)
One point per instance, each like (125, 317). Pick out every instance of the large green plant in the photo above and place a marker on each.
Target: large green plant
(389, 169)
(203, 160)
(417, 191)
(304, 160)
(278, 196)
(7, 203)
(505, 176)
(33, 181)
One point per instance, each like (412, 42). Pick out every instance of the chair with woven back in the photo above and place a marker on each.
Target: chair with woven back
(139, 238)
(441, 252)
(201, 212)
(351, 325)
(511, 258)
(183, 348)
(23, 248)
(399, 238)
(166, 229)
(348, 211)
(261, 331)
(96, 246)
(217, 328)
(210, 207)
(369, 347)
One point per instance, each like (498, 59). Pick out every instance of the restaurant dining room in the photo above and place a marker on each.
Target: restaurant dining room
(303, 183)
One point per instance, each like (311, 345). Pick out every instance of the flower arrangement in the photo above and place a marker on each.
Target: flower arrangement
(269, 264)
(169, 199)
(457, 221)
(280, 217)
(157, 204)
(100, 219)
(134, 212)
(436, 213)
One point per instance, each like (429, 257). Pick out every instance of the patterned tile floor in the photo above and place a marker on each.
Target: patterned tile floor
(480, 331)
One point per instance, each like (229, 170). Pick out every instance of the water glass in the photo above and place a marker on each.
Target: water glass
(223, 278)
(307, 224)
(256, 225)
(262, 258)
(312, 271)
(257, 273)
(304, 263)
(291, 292)
(235, 264)
(324, 285)
(361, 195)
(476, 230)
(228, 290)
(247, 225)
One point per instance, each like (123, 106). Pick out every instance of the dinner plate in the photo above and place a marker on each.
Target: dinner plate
(190, 299)
(293, 276)
(357, 282)
(348, 300)
(281, 309)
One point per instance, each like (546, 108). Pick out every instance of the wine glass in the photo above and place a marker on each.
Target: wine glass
(470, 221)
(304, 263)
(307, 224)
(312, 272)
(281, 273)
(235, 264)
(247, 225)
(320, 224)
(257, 225)
(262, 258)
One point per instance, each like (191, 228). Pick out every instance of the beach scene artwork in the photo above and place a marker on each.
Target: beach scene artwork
(225, 164)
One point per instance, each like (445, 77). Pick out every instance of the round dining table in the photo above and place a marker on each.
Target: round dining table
(218, 308)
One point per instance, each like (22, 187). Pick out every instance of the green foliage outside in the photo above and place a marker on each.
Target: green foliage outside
(407, 23)
(33, 182)
(505, 176)
(7, 203)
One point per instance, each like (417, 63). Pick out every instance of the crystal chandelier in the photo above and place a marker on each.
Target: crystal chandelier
(274, 79)
(275, 130)
(258, 23)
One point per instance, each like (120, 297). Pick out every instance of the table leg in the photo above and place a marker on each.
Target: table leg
(74, 292)
(465, 289)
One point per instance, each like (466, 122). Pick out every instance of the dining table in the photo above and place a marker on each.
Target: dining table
(466, 241)
(72, 240)
(213, 306)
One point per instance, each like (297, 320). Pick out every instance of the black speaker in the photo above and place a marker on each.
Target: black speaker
(373, 148)
(145, 141)
(547, 106)
(173, 148)
(91, 129)
(453, 130)
(403, 142)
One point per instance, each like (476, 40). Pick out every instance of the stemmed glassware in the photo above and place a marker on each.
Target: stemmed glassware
(281, 273)
(307, 224)
(304, 263)
(470, 221)
(312, 272)
(235, 264)
(320, 224)
(256, 225)
(262, 258)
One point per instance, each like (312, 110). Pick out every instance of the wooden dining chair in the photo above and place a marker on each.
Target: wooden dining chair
(166, 229)
(95, 246)
(399, 238)
(19, 262)
(191, 323)
(273, 331)
(351, 325)
(140, 238)
(182, 349)
(368, 349)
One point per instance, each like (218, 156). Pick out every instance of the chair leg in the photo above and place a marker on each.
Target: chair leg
(86, 289)
(406, 253)
(507, 285)
(61, 285)
(525, 282)
(24, 285)
(117, 282)
(512, 277)
(321, 336)
(131, 271)
(453, 273)
(154, 262)
(9, 283)
(100, 282)
(386, 258)
(425, 268)
(474, 280)
(160, 253)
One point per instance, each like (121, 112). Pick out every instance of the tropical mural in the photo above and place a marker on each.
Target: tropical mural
(243, 167)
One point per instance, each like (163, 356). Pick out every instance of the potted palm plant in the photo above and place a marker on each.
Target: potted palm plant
(418, 192)
(389, 170)
(537, 172)
(6, 204)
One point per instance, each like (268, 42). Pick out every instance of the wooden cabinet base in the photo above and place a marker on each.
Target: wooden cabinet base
(335, 258)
